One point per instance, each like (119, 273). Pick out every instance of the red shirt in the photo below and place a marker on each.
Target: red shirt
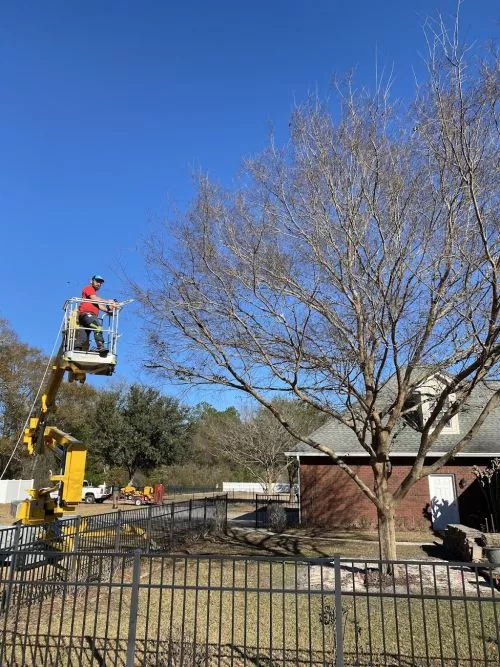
(86, 307)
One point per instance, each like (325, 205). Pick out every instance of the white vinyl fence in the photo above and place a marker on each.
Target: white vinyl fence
(254, 487)
(244, 487)
(14, 489)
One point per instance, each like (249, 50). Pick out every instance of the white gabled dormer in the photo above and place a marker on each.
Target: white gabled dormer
(427, 393)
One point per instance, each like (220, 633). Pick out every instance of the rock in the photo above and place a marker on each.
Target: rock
(464, 542)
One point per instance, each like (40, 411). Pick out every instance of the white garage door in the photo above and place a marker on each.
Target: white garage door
(444, 506)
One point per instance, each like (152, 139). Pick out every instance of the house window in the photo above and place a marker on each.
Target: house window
(420, 405)
(427, 405)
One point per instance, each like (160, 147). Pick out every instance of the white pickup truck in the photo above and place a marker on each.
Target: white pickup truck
(92, 494)
(95, 494)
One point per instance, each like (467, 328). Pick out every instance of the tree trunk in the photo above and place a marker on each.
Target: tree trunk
(269, 484)
(387, 533)
(386, 514)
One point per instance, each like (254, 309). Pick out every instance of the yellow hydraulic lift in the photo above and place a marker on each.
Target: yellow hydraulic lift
(40, 436)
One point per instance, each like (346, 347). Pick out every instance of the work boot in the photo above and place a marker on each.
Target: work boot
(101, 350)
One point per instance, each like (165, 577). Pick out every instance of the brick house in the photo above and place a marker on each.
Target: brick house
(329, 498)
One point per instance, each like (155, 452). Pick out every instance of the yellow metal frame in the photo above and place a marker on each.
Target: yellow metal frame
(72, 454)
(40, 436)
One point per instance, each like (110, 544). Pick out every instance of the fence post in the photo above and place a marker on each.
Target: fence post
(76, 546)
(76, 539)
(6, 594)
(13, 563)
(339, 619)
(150, 527)
(17, 536)
(118, 532)
(172, 516)
(134, 607)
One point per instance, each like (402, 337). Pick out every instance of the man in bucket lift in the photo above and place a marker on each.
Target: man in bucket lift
(88, 316)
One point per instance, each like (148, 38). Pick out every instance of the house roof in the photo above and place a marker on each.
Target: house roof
(486, 443)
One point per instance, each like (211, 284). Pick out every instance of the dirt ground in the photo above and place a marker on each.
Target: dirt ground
(248, 541)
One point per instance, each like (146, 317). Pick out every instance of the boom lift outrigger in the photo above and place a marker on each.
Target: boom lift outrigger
(40, 436)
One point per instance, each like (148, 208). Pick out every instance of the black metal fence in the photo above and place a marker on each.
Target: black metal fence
(180, 490)
(148, 528)
(277, 511)
(147, 610)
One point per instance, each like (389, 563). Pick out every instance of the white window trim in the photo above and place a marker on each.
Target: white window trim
(453, 426)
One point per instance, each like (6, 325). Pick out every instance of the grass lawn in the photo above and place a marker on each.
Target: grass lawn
(197, 610)
(235, 612)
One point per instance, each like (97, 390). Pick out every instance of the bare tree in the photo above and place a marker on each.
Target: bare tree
(257, 442)
(364, 250)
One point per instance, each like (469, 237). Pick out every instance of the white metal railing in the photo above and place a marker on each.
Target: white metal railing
(72, 328)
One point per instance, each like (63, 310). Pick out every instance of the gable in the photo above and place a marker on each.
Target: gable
(406, 442)
(424, 403)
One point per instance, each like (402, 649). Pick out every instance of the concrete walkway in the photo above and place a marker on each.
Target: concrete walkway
(410, 578)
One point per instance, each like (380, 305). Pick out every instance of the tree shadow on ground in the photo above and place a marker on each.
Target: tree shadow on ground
(250, 542)
(258, 543)
(238, 542)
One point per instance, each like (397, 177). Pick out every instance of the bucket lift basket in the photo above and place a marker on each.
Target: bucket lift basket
(89, 360)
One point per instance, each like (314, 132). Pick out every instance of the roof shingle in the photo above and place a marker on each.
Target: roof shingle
(335, 435)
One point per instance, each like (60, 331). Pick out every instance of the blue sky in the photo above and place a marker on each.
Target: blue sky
(107, 108)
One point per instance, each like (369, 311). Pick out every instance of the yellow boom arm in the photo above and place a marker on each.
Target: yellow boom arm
(40, 436)
(69, 451)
